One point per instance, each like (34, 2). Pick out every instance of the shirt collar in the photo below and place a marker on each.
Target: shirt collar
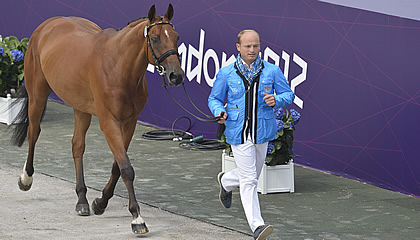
(246, 65)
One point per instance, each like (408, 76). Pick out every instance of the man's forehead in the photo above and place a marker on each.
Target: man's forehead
(250, 42)
(250, 38)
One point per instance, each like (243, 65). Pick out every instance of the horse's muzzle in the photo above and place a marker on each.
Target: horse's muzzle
(176, 78)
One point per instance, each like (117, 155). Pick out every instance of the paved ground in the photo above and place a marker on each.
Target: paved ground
(179, 194)
(47, 212)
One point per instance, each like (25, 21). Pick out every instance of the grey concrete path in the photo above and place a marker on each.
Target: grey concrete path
(178, 189)
(47, 212)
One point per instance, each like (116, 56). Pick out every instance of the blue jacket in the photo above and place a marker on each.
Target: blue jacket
(247, 111)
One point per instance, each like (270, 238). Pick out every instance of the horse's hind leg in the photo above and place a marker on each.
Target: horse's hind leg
(38, 92)
(99, 204)
(81, 124)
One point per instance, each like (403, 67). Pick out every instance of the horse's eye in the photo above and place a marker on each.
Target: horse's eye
(155, 39)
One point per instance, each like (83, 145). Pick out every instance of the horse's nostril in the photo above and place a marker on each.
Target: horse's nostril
(176, 79)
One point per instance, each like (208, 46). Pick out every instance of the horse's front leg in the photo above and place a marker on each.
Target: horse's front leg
(116, 135)
(81, 125)
(99, 204)
(127, 173)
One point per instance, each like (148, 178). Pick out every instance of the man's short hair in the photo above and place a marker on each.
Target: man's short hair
(245, 31)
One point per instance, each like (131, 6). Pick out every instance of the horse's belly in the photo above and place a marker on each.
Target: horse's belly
(76, 95)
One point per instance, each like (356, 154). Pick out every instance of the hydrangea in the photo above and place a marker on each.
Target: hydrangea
(12, 55)
(270, 147)
(17, 55)
(280, 150)
(295, 115)
(280, 125)
(279, 113)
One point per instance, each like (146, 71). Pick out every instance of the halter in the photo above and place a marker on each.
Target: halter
(161, 70)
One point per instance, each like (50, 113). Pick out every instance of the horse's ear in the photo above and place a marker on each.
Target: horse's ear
(170, 12)
(152, 13)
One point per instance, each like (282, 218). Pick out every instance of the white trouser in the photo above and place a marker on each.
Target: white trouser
(249, 158)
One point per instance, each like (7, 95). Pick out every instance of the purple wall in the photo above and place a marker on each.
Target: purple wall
(355, 72)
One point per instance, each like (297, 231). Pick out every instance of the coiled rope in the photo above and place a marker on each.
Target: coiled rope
(188, 141)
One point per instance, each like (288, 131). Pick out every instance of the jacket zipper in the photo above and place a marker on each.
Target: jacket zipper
(249, 107)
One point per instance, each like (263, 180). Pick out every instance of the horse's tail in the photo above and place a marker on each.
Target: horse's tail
(21, 120)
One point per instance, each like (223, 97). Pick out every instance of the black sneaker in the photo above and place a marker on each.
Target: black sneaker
(225, 197)
(262, 232)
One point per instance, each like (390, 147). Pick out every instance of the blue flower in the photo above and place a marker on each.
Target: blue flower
(270, 147)
(295, 115)
(279, 113)
(280, 125)
(1, 50)
(17, 55)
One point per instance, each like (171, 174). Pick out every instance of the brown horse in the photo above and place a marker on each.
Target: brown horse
(97, 72)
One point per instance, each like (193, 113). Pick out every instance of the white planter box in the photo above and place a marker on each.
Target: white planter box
(7, 114)
(273, 179)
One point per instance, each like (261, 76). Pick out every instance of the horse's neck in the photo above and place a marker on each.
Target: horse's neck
(132, 46)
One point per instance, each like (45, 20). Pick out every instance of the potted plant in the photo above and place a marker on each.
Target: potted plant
(12, 52)
(277, 174)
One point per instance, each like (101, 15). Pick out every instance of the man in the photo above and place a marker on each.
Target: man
(253, 87)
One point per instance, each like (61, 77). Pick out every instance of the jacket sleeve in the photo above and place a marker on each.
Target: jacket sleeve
(218, 94)
(284, 95)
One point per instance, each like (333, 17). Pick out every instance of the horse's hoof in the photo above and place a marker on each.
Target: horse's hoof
(139, 228)
(82, 209)
(22, 186)
(97, 210)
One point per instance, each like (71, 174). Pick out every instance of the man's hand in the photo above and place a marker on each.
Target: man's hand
(223, 117)
(269, 99)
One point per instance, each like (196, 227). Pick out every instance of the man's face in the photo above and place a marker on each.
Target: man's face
(249, 47)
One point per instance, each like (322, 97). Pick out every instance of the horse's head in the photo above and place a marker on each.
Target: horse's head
(163, 46)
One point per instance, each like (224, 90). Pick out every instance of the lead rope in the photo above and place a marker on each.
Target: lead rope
(210, 118)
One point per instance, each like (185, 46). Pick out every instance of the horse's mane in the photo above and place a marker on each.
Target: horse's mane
(136, 21)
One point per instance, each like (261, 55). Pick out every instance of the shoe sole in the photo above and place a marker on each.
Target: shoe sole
(219, 180)
(264, 234)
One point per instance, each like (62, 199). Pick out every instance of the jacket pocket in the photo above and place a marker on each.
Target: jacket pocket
(268, 112)
(266, 86)
(233, 129)
(232, 115)
(270, 127)
(236, 89)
